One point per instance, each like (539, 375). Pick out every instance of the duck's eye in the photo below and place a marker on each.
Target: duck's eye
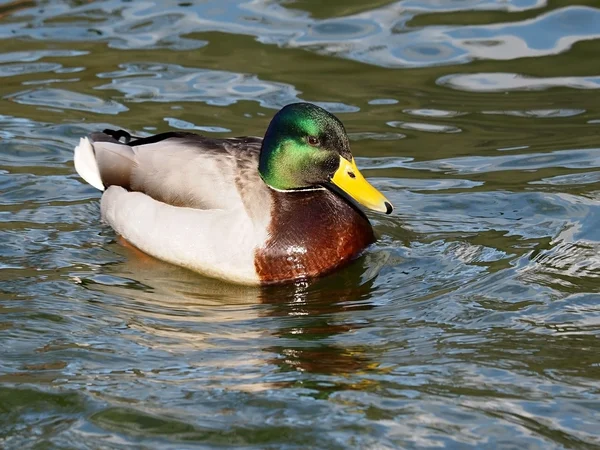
(313, 140)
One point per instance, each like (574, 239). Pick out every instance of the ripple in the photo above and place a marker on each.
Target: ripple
(425, 52)
(36, 55)
(65, 99)
(573, 159)
(498, 82)
(564, 264)
(540, 113)
(428, 185)
(184, 125)
(172, 83)
(379, 36)
(150, 82)
(573, 255)
(427, 127)
(529, 215)
(383, 101)
(337, 30)
(337, 107)
(10, 70)
(433, 113)
(466, 5)
(376, 136)
(562, 28)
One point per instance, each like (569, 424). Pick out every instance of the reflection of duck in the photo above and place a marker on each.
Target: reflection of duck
(248, 210)
(295, 327)
(316, 309)
(312, 317)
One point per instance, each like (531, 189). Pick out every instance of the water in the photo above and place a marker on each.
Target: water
(474, 321)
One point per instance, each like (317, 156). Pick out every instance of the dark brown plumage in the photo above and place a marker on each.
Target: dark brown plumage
(311, 233)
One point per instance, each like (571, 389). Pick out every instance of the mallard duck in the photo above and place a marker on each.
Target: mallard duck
(244, 209)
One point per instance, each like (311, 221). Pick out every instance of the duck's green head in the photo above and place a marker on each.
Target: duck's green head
(307, 147)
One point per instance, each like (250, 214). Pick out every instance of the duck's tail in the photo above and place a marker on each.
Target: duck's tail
(102, 161)
(86, 164)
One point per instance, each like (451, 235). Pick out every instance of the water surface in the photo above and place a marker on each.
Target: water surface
(472, 323)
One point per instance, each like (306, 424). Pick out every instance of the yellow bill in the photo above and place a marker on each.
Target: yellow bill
(350, 180)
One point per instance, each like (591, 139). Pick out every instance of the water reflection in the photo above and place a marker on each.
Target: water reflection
(384, 35)
(502, 82)
(176, 310)
(472, 323)
(172, 83)
(310, 339)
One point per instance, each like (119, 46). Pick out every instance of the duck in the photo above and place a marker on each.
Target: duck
(248, 210)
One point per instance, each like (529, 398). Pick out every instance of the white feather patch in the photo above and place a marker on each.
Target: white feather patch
(86, 164)
(216, 242)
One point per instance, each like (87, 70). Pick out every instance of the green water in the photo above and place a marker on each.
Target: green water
(474, 321)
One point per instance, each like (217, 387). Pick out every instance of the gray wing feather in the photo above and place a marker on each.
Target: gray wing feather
(186, 170)
(115, 162)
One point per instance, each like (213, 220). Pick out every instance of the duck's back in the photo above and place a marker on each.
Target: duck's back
(180, 169)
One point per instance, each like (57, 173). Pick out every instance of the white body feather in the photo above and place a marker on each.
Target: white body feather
(217, 236)
(218, 243)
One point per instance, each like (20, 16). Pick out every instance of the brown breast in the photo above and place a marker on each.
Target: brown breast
(311, 233)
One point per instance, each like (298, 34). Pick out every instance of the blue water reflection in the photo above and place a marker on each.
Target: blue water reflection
(473, 322)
